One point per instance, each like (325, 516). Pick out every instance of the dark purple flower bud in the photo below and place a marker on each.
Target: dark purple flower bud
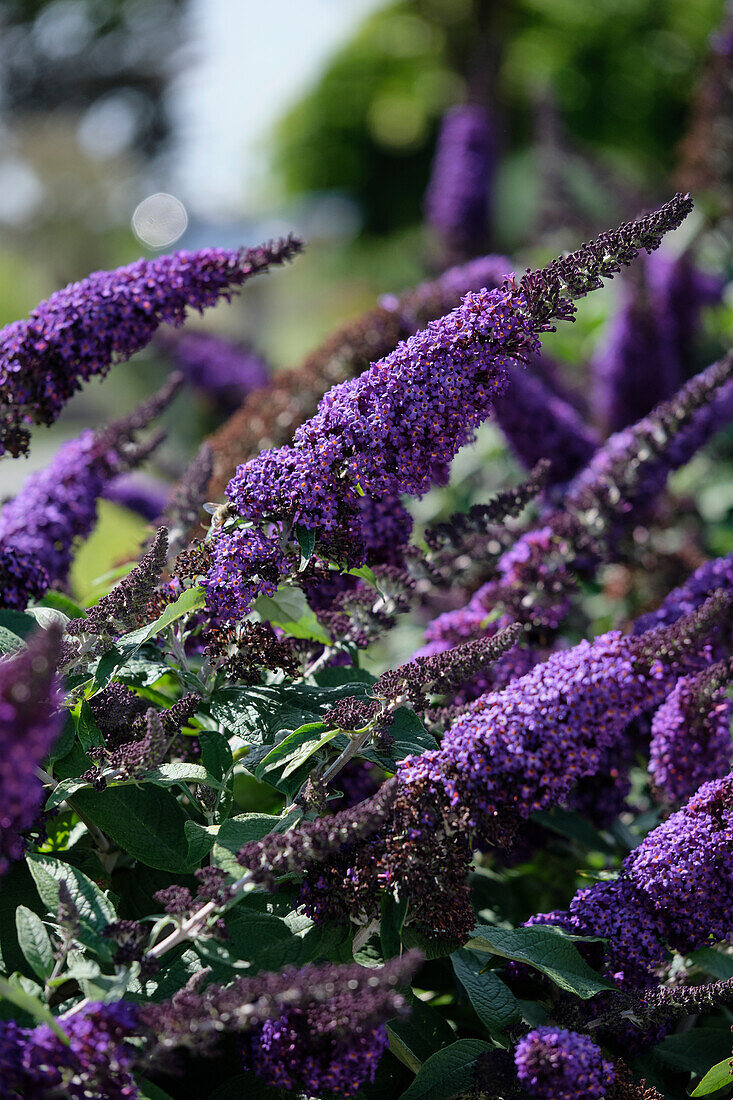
(219, 368)
(138, 493)
(57, 505)
(691, 733)
(115, 708)
(712, 576)
(176, 900)
(311, 842)
(124, 607)
(458, 195)
(84, 328)
(540, 424)
(131, 938)
(555, 1064)
(144, 744)
(30, 721)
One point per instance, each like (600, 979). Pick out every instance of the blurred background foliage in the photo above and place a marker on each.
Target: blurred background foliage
(106, 102)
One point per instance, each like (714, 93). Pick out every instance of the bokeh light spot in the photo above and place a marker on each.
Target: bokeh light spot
(159, 220)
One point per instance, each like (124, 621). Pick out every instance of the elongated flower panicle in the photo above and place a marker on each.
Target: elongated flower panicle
(223, 370)
(84, 328)
(58, 504)
(458, 195)
(30, 721)
(139, 493)
(691, 735)
(123, 608)
(311, 842)
(245, 565)
(540, 424)
(269, 417)
(674, 890)
(555, 1064)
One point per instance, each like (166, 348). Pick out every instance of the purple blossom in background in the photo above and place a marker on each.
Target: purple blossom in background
(555, 1064)
(682, 290)
(139, 493)
(58, 504)
(637, 365)
(30, 721)
(220, 368)
(458, 196)
(290, 1052)
(539, 424)
(84, 328)
(691, 740)
(245, 565)
(96, 1064)
(713, 575)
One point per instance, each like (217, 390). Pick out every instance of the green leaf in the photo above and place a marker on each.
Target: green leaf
(714, 962)
(268, 942)
(34, 941)
(293, 751)
(90, 735)
(414, 1038)
(61, 602)
(32, 1006)
(237, 831)
(431, 947)
(574, 826)
(307, 542)
(17, 622)
(48, 616)
(93, 906)
(166, 775)
(146, 822)
(719, 1077)
(495, 1004)
(216, 755)
(65, 740)
(148, 1091)
(289, 609)
(694, 1050)
(545, 949)
(10, 642)
(448, 1072)
(391, 924)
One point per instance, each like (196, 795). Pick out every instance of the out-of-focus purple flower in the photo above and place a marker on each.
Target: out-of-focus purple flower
(649, 347)
(95, 1064)
(223, 370)
(539, 424)
(691, 733)
(30, 721)
(139, 493)
(58, 504)
(458, 197)
(555, 1064)
(84, 328)
(637, 365)
(316, 1029)
(713, 575)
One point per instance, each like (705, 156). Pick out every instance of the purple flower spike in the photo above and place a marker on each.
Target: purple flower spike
(220, 368)
(84, 328)
(458, 195)
(57, 505)
(30, 721)
(245, 565)
(691, 733)
(554, 1064)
